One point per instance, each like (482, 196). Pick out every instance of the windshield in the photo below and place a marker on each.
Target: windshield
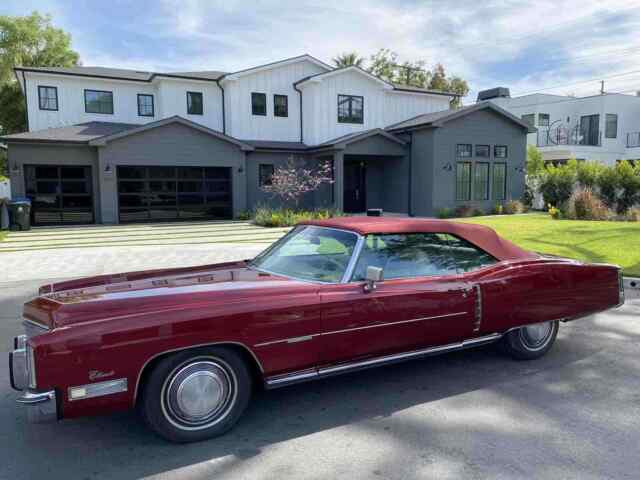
(310, 253)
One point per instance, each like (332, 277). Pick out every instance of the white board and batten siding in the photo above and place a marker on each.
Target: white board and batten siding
(172, 100)
(382, 106)
(242, 124)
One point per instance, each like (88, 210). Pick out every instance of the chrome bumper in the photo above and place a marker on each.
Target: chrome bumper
(41, 406)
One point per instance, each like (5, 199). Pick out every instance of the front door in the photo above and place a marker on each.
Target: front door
(354, 187)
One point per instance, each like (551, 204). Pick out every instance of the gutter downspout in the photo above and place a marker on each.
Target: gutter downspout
(224, 115)
(295, 87)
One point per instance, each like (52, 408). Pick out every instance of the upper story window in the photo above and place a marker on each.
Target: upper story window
(280, 106)
(145, 105)
(259, 103)
(350, 109)
(500, 151)
(463, 150)
(47, 98)
(611, 126)
(529, 119)
(265, 174)
(483, 151)
(194, 103)
(98, 101)
(543, 119)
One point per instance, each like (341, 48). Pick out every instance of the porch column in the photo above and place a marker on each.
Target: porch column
(338, 177)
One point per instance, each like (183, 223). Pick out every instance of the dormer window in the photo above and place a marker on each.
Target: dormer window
(98, 101)
(259, 103)
(194, 103)
(350, 109)
(48, 98)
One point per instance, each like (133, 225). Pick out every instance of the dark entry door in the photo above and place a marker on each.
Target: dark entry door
(354, 187)
(59, 194)
(590, 130)
(174, 193)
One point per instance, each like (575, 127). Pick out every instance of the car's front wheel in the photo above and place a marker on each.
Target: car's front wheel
(531, 341)
(195, 395)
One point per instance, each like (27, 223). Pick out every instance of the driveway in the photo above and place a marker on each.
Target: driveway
(476, 414)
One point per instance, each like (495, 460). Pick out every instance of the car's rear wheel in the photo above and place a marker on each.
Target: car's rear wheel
(531, 341)
(195, 395)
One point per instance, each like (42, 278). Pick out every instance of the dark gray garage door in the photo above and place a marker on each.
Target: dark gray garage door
(59, 194)
(174, 193)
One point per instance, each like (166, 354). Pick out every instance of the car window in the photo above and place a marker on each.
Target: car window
(419, 255)
(310, 253)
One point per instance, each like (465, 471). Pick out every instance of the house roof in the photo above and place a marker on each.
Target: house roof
(480, 235)
(388, 85)
(344, 140)
(437, 119)
(103, 140)
(123, 74)
(279, 63)
(276, 145)
(81, 133)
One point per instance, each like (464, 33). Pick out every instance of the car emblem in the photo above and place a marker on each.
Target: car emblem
(97, 374)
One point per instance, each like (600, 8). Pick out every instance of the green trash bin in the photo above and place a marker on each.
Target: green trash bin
(20, 214)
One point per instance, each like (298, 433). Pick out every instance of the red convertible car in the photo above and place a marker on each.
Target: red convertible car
(186, 346)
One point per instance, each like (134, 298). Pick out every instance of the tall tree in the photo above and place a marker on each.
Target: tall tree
(384, 64)
(29, 41)
(348, 59)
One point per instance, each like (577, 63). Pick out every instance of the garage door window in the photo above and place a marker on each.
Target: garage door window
(174, 193)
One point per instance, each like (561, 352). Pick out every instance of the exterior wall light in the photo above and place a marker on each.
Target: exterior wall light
(447, 167)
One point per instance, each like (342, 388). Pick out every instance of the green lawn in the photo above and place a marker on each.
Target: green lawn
(609, 242)
(3, 234)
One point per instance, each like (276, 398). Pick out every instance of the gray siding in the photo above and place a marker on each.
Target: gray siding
(53, 154)
(175, 145)
(422, 143)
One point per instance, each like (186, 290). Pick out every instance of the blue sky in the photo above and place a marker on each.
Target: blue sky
(526, 46)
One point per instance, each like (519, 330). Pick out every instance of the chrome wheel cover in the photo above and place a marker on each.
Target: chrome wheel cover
(199, 394)
(537, 335)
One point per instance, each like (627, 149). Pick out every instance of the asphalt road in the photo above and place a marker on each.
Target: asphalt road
(475, 414)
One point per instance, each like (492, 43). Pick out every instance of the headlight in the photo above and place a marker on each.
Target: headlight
(31, 367)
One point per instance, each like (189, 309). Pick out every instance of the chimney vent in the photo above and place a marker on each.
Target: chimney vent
(498, 92)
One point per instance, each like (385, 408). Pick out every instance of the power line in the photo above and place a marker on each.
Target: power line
(632, 72)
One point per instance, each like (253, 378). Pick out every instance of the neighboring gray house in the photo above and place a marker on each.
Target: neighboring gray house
(392, 147)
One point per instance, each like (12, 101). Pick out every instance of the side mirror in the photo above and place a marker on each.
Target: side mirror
(374, 274)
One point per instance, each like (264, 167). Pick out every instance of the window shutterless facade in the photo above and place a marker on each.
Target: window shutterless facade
(500, 151)
(611, 126)
(499, 186)
(350, 109)
(463, 150)
(145, 105)
(259, 103)
(543, 119)
(483, 151)
(48, 98)
(98, 101)
(265, 174)
(481, 181)
(280, 106)
(194, 103)
(463, 181)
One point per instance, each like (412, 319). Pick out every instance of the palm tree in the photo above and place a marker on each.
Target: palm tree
(348, 59)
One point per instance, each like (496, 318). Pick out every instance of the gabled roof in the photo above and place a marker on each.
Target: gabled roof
(280, 63)
(437, 119)
(276, 145)
(344, 140)
(81, 133)
(168, 121)
(122, 74)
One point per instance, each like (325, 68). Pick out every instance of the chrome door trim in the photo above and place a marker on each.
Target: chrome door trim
(301, 376)
(355, 256)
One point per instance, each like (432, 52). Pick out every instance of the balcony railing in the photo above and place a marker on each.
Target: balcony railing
(569, 136)
(633, 139)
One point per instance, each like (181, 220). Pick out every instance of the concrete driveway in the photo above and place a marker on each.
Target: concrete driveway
(476, 414)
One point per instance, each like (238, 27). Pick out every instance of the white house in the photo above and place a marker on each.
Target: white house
(602, 127)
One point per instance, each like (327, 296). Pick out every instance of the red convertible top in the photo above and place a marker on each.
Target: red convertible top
(481, 236)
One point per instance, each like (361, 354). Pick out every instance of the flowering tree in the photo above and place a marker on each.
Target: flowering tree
(292, 180)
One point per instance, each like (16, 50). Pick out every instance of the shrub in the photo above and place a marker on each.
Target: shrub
(244, 215)
(513, 206)
(556, 184)
(497, 209)
(555, 212)
(608, 185)
(587, 173)
(629, 184)
(463, 211)
(585, 205)
(633, 214)
(528, 195)
(286, 217)
(445, 213)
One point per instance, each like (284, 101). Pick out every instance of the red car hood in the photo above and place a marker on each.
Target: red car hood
(112, 296)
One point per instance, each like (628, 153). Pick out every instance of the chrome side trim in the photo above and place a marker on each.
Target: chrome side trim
(355, 256)
(332, 332)
(478, 308)
(296, 377)
(150, 359)
(31, 398)
(99, 389)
